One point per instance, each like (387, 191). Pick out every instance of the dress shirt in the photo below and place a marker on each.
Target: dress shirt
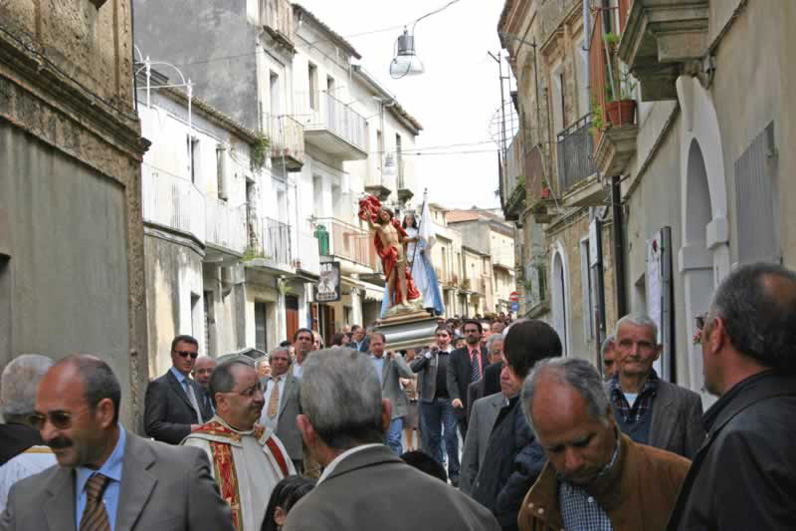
(336, 461)
(112, 469)
(269, 389)
(475, 357)
(297, 370)
(185, 382)
(379, 364)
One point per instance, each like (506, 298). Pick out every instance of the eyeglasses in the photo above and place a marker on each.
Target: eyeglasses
(60, 419)
(700, 321)
(186, 353)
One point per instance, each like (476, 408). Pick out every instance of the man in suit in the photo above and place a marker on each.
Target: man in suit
(466, 366)
(650, 410)
(173, 407)
(202, 371)
(106, 475)
(476, 390)
(389, 369)
(482, 420)
(282, 404)
(303, 344)
(359, 340)
(346, 436)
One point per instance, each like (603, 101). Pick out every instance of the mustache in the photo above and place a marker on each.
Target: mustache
(59, 443)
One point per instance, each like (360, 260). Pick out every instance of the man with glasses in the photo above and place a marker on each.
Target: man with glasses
(248, 459)
(173, 405)
(650, 410)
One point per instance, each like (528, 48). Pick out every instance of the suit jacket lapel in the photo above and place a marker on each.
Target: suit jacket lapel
(60, 510)
(175, 384)
(137, 483)
(385, 368)
(662, 419)
(289, 383)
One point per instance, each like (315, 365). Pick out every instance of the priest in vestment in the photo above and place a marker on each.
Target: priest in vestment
(248, 459)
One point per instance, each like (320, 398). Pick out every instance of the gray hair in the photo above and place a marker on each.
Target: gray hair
(19, 383)
(491, 341)
(605, 345)
(285, 350)
(578, 374)
(341, 396)
(639, 320)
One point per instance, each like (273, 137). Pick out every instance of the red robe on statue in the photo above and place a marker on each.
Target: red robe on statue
(369, 208)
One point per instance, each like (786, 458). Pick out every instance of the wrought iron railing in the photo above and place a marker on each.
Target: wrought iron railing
(350, 242)
(172, 201)
(286, 135)
(575, 154)
(275, 241)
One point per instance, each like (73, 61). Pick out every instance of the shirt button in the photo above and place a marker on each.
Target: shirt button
(590, 499)
(530, 506)
(541, 511)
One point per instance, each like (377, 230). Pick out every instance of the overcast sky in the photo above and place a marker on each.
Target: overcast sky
(457, 97)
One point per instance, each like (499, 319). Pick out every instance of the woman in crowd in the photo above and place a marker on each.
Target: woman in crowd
(284, 496)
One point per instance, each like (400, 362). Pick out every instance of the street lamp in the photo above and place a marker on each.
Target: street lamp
(405, 63)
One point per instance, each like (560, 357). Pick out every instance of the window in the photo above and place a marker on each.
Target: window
(192, 144)
(221, 171)
(399, 162)
(209, 311)
(276, 103)
(260, 326)
(313, 86)
(585, 279)
(557, 98)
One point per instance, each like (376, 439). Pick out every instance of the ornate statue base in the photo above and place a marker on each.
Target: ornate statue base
(408, 327)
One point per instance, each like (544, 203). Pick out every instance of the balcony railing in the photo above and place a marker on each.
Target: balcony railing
(333, 126)
(172, 201)
(277, 15)
(275, 241)
(575, 154)
(350, 242)
(534, 174)
(287, 140)
(226, 225)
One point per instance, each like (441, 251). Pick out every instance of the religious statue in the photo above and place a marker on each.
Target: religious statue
(390, 241)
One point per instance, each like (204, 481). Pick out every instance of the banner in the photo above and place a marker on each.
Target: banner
(328, 288)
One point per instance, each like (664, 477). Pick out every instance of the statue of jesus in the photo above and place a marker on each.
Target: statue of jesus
(390, 241)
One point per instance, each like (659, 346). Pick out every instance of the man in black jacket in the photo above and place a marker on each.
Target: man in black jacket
(466, 366)
(514, 459)
(744, 475)
(173, 406)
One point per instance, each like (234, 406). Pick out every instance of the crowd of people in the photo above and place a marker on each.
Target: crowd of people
(312, 438)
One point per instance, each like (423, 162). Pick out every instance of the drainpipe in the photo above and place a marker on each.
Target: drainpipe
(619, 246)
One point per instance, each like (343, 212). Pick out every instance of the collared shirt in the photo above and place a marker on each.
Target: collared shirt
(632, 413)
(336, 461)
(265, 420)
(185, 382)
(475, 357)
(379, 364)
(112, 469)
(183, 379)
(297, 370)
(579, 509)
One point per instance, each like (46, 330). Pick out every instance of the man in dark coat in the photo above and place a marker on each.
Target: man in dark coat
(466, 366)
(514, 459)
(744, 475)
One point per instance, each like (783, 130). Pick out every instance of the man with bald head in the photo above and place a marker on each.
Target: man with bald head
(596, 477)
(107, 478)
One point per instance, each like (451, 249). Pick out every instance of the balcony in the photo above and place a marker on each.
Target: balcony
(350, 243)
(616, 143)
(333, 127)
(273, 246)
(660, 39)
(225, 226)
(405, 171)
(277, 21)
(576, 170)
(513, 194)
(172, 202)
(287, 141)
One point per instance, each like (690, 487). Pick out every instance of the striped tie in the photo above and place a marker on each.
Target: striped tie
(95, 518)
(475, 368)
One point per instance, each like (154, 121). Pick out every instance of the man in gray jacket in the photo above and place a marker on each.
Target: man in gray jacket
(282, 404)
(390, 368)
(364, 485)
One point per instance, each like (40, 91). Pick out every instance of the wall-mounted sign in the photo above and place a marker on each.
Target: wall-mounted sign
(328, 289)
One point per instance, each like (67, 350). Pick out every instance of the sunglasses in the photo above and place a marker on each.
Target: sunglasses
(60, 419)
(186, 353)
(700, 321)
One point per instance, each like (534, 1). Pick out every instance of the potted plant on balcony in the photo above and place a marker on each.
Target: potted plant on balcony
(620, 107)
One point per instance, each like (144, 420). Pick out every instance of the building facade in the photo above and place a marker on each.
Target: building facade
(71, 238)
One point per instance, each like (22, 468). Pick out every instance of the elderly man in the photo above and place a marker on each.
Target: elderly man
(609, 358)
(595, 477)
(281, 396)
(202, 370)
(22, 453)
(346, 436)
(108, 478)
(744, 476)
(650, 410)
(390, 368)
(248, 460)
(303, 344)
(513, 458)
(264, 368)
(173, 407)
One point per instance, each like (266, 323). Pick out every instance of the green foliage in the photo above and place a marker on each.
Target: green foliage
(612, 39)
(259, 151)
(597, 121)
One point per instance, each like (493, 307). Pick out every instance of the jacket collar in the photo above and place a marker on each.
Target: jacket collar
(367, 457)
(761, 386)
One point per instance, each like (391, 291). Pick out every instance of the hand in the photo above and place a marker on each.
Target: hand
(457, 403)
(195, 427)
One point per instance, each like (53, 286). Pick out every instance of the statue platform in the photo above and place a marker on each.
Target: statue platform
(411, 328)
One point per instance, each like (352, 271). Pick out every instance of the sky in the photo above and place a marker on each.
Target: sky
(455, 100)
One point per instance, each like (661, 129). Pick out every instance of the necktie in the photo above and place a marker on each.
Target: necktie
(95, 518)
(273, 401)
(475, 368)
(192, 399)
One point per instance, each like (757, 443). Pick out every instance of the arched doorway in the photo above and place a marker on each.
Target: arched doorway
(560, 296)
(704, 257)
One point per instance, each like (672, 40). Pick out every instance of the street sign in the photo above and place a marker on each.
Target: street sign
(514, 297)
(328, 288)
(515, 307)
